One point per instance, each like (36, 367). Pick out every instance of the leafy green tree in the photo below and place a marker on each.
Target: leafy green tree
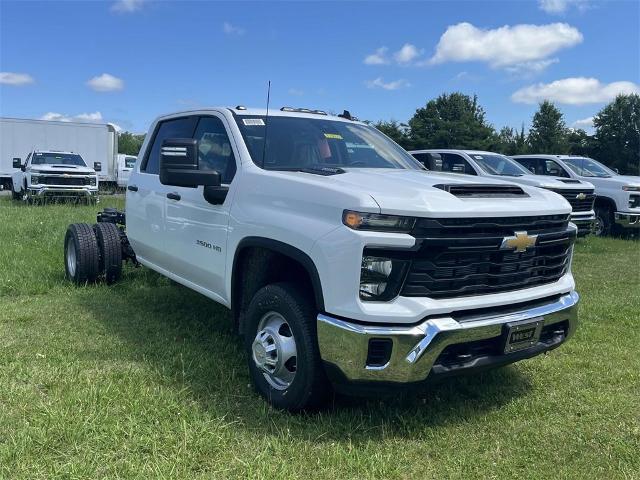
(580, 143)
(548, 133)
(129, 143)
(617, 134)
(510, 142)
(397, 131)
(451, 121)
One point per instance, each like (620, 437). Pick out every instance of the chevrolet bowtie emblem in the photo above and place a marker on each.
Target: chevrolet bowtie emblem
(581, 196)
(519, 242)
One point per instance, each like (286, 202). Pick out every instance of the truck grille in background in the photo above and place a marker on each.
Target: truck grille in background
(462, 257)
(500, 191)
(64, 181)
(578, 205)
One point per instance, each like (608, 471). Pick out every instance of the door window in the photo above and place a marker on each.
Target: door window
(452, 162)
(214, 148)
(176, 128)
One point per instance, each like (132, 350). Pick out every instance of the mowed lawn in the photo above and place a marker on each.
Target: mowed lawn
(145, 379)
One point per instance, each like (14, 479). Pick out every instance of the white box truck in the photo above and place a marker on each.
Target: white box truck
(96, 143)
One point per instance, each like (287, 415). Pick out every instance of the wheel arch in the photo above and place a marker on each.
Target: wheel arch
(266, 252)
(608, 202)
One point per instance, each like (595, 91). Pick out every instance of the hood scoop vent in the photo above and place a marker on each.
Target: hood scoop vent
(565, 180)
(483, 191)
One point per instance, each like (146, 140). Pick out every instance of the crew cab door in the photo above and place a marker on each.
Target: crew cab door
(196, 230)
(146, 196)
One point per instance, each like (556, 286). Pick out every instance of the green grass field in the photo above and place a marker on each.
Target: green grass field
(145, 379)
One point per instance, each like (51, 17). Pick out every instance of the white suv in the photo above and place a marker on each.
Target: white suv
(578, 193)
(343, 261)
(617, 196)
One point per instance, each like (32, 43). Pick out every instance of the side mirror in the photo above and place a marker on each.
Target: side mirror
(179, 165)
(97, 166)
(17, 162)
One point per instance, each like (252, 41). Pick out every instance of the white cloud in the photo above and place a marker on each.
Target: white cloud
(407, 54)
(296, 92)
(15, 79)
(94, 117)
(377, 58)
(584, 123)
(561, 6)
(106, 83)
(522, 47)
(230, 29)
(393, 85)
(574, 91)
(127, 6)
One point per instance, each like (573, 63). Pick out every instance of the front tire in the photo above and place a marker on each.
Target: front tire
(81, 259)
(604, 222)
(282, 348)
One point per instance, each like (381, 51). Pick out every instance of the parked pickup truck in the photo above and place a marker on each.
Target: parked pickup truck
(617, 202)
(344, 262)
(48, 173)
(488, 164)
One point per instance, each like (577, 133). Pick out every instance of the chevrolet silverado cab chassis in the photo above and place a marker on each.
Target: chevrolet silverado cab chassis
(344, 262)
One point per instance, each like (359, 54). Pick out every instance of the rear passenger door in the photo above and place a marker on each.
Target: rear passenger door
(196, 230)
(146, 195)
(455, 163)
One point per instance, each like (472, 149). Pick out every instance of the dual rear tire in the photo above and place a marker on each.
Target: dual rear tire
(92, 252)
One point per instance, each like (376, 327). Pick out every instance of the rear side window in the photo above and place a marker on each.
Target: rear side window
(177, 128)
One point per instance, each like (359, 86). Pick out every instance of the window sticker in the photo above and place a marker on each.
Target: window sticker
(333, 136)
(253, 122)
(478, 157)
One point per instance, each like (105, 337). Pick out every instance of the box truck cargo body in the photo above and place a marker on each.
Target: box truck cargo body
(94, 142)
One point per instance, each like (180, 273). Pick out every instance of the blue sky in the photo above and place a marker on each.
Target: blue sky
(128, 61)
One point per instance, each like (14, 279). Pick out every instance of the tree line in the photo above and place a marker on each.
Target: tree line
(457, 120)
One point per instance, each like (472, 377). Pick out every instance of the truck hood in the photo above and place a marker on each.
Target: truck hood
(617, 180)
(543, 181)
(412, 192)
(61, 169)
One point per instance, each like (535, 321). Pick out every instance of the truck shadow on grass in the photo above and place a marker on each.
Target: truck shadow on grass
(189, 340)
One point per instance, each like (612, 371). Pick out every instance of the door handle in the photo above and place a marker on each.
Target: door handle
(173, 196)
(132, 188)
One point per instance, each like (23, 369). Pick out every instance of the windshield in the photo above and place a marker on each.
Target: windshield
(586, 167)
(495, 164)
(54, 158)
(129, 162)
(298, 143)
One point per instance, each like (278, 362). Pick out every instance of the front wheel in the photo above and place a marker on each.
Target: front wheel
(282, 348)
(604, 222)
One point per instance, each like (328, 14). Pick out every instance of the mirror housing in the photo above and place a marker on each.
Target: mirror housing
(97, 166)
(179, 165)
(17, 162)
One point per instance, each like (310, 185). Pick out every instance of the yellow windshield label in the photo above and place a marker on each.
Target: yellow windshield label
(335, 136)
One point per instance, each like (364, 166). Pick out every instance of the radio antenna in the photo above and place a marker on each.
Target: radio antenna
(266, 124)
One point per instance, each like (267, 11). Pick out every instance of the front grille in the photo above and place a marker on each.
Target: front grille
(462, 257)
(483, 191)
(64, 181)
(578, 205)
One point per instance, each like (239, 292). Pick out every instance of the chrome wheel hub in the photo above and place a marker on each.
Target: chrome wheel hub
(598, 227)
(71, 258)
(274, 350)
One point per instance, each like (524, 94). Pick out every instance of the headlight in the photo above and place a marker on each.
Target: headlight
(35, 179)
(381, 278)
(631, 188)
(377, 222)
(92, 181)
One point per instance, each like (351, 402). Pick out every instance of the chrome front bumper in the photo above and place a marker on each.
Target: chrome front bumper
(628, 220)
(415, 350)
(584, 222)
(64, 191)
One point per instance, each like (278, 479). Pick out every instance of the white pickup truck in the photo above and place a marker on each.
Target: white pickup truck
(49, 173)
(488, 164)
(617, 196)
(344, 262)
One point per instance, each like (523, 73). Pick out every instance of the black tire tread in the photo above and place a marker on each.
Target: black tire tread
(110, 249)
(87, 258)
